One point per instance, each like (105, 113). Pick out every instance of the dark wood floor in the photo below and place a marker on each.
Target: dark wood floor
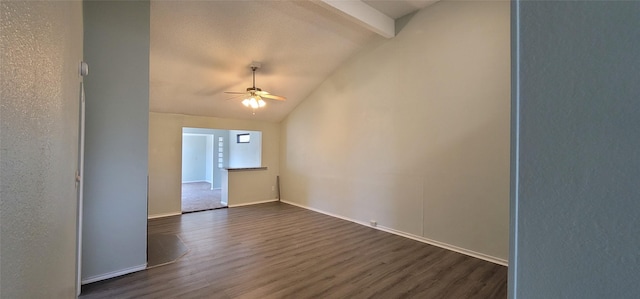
(163, 249)
(275, 250)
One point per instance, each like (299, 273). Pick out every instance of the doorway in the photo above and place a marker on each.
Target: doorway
(203, 160)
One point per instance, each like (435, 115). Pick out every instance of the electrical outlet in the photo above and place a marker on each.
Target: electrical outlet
(374, 223)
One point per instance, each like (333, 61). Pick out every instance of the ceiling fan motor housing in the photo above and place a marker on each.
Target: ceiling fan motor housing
(255, 65)
(255, 92)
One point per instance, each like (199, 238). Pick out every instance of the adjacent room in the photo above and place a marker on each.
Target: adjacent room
(201, 166)
(207, 155)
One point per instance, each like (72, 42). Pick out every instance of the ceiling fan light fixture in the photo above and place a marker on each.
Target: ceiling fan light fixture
(253, 102)
(254, 95)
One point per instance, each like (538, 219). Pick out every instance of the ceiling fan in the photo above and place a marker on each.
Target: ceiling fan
(254, 96)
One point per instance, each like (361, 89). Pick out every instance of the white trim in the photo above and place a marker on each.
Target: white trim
(327, 213)
(115, 273)
(364, 15)
(514, 200)
(163, 215)
(253, 203)
(197, 134)
(457, 249)
(80, 185)
(201, 181)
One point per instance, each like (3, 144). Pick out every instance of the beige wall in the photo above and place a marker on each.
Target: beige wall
(39, 85)
(413, 132)
(165, 155)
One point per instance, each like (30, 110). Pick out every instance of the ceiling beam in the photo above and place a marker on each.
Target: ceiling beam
(364, 15)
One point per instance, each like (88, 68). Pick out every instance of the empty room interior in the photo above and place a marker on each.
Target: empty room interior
(319, 149)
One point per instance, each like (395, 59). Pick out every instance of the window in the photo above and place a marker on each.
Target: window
(243, 138)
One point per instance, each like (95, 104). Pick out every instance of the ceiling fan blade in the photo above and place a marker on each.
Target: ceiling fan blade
(256, 93)
(273, 97)
(234, 97)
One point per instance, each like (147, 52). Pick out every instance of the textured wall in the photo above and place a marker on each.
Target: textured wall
(41, 48)
(165, 148)
(116, 35)
(576, 224)
(413, 132)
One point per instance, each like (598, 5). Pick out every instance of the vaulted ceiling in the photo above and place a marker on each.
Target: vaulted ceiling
(199, 49)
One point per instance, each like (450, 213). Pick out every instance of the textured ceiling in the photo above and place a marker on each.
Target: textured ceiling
(200, 49)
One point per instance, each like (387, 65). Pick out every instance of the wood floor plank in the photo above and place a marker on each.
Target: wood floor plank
(276, 250)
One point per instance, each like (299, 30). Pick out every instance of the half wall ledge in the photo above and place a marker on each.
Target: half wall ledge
(246, 168)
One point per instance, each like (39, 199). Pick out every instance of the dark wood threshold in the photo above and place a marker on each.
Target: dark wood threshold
(189, 212)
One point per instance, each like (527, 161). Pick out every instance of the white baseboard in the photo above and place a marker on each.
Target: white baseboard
(114, 274)
(163, 215)
(253, 203)
(326, 213)
(187, 182)
(457, 249)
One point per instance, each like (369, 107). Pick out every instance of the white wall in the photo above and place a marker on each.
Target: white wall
(210, 161)
(576, 230)
(165, 134)
(245, 154)
(194, 158)
(413, 132)
(39, 87)
(116, 36)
